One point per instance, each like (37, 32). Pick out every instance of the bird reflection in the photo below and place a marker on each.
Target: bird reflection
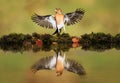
(59, 63)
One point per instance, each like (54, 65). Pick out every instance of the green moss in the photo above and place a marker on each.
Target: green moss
(93, 41)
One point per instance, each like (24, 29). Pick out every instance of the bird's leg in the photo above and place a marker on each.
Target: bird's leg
(58, 34)
(64, 56)
(64, 29)
(59, 30)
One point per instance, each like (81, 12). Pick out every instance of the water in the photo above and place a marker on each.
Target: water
(97, 66)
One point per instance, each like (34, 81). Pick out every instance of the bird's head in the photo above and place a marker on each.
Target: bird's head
(58, 10)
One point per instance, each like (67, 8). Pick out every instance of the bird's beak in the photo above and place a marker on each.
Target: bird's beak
(55, 10)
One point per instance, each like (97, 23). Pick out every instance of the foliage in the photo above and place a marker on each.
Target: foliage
(92, 41)
(116, 39)
(101, 41)
(36, 35)
(95, 38)
(64, 38)
(46, 38)
(19, 42)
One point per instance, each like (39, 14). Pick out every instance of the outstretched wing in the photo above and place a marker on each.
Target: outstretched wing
(73, 66)
(47, 21)
(47, 63)
(74, 17)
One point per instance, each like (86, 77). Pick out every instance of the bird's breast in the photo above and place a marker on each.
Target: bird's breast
(59, 18)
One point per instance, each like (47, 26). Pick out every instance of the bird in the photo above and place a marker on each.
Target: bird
(58, 63)
(59, 20)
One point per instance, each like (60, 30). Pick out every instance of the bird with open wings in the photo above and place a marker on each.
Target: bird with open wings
(59, 20)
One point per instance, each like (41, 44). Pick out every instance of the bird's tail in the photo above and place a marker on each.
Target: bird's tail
(55, 32)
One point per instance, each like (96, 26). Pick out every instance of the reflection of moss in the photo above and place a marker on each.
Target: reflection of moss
(35, 48)
(97, 47)
(63, 47)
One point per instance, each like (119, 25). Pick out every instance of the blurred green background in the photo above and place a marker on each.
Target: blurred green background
(100, 15)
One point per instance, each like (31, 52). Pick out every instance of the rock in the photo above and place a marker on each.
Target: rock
(39, 42)
(75, 40)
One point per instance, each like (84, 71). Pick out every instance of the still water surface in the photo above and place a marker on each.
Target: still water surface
(97, 67)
